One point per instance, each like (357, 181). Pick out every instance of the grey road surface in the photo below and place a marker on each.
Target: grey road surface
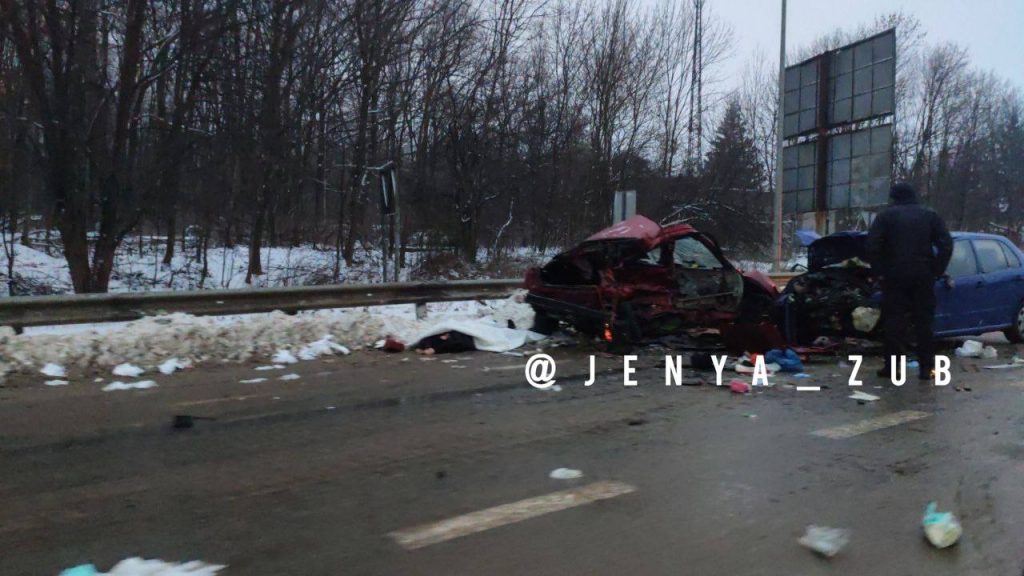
(390, 464)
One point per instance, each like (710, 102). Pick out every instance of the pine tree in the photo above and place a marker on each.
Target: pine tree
(733, 184)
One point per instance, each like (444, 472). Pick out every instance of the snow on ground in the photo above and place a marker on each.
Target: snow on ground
(151, 342)
(138, 266)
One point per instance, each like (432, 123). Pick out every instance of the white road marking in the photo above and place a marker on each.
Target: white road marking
(444, 530)
(871, 424)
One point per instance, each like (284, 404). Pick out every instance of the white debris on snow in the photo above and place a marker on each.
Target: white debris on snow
(128, 370)
(323, 346)
(172, 365)
(284, 357)
(150, 341)
(141, 567)
(252, 381)
(53, 370)
(118, 385)
(56, 382)
(292, 376)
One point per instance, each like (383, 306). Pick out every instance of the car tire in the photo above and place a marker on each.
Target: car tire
(1015, 333)
(542, 323)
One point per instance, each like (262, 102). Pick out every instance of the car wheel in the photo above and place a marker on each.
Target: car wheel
(1015, 333)
(542, 323)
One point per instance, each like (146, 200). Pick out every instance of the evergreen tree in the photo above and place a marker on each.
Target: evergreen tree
(738, 206)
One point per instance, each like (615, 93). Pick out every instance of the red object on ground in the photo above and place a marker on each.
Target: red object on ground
(392, 345)
(739, 387)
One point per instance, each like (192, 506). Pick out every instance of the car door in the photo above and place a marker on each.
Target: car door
(705, 283)
(956, 309)
(1000, 300)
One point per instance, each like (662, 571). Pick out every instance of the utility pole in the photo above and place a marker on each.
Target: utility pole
(777, 227)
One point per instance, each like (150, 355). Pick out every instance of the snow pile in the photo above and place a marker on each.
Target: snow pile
(53, 370)
(149, 342)
(128, 370)
(172, 365)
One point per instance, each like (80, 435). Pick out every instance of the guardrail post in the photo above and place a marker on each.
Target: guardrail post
(421, 311)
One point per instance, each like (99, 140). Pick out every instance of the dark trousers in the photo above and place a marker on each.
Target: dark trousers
(908, 307)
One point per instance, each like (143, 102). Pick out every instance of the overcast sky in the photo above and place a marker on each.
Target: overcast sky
(992, 30)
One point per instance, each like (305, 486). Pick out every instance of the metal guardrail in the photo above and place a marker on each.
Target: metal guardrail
(25, 311)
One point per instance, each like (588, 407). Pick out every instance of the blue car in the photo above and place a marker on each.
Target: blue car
(839, 295)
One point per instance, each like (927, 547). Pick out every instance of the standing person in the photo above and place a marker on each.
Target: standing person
(910, 248)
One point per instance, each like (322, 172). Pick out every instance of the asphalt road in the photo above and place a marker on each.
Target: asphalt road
(389, 464)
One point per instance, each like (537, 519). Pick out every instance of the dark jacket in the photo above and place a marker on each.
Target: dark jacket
(908, 241)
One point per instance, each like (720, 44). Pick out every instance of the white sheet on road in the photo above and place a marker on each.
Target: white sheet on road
(487, 336)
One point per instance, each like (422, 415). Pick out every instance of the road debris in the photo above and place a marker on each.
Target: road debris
(140, 385)
(739, 387)
(787, 360)
(824, 540)
(270, 367)
(970, 349)
(565, 474)
(172, 365)
(128, 370)
(864, 396)
(941, 528)
(324, 346)
(53, 371)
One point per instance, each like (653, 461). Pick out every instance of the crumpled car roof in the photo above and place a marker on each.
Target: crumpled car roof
(641, 228)
(637, 227)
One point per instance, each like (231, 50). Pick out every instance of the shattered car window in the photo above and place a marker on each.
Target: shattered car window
(692, 253)
(962, 263)
(652, 258)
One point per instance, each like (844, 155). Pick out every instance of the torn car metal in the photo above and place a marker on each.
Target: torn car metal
(640, 279)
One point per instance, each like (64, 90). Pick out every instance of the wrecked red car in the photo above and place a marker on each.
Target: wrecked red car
(639, 280)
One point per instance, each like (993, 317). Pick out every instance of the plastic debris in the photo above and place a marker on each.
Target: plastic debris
(565, 474)
(941, 528)
(787, 360)
(824, 540)
(53, 371)
(56, 382)
(739, 387)
(323, 346)
(128, 370)
(173, 365)
(284, 357)
(140, 385)
(865, 318)
(858, 395)
(970, 349)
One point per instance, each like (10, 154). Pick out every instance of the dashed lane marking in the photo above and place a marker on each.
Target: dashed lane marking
(459, 526)
(871, 424)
